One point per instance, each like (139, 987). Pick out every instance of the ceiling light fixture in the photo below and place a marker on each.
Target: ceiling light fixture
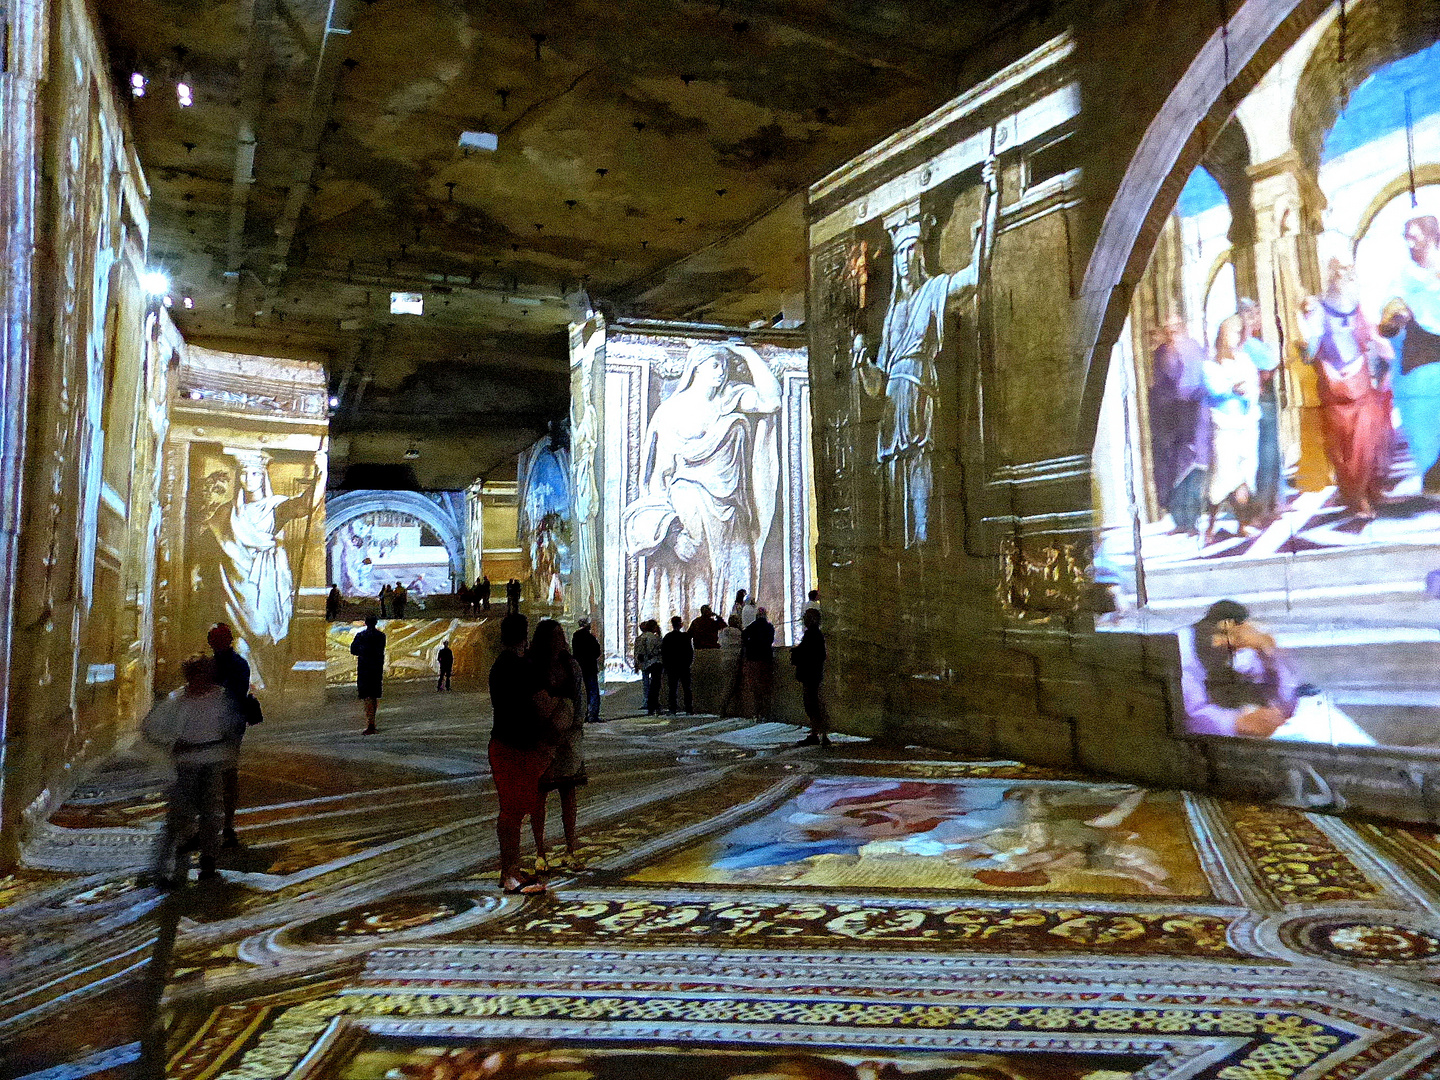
(189, 303)
(137, 84)
(155, 282)
(182, 92)
(413, 452)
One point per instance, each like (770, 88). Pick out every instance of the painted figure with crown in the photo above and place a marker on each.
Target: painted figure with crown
(905, 370)
(252, 571)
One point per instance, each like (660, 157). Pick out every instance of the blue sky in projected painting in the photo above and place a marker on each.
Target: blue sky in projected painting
(1376, 108)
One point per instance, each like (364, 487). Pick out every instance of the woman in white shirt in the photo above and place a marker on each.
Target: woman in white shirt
(199, 727)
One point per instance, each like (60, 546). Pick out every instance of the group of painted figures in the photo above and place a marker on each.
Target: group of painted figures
(1214, 416)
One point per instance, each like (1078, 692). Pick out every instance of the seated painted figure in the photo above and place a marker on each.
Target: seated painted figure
(1236, 681)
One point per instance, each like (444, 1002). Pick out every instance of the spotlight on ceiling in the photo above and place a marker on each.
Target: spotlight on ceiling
(189, 303)
(470, 141)
(155, 282)
(412, 453)
(137, 84)
(333, 401)
(182, 91)
(407, 303)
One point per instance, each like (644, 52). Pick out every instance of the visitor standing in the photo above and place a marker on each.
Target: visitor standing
(650, 663)
(809, 660)
(332, 604)
(399, 598)
(232, 673)
(757, 645)
(585, 648)
(812, 603)
(512, 596)
(465, 599)
(386, 592)
(519, 751)
(196, 725)
(705, 629)
(446, 659)
(482, 592)
(748, 612)
(738, 610)
(368, 648)
(677, 654)
(560, 703)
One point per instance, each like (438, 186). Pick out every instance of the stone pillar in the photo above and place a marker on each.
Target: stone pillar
(1287, 204)
(19, 90)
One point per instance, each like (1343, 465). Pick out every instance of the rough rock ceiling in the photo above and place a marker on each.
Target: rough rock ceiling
(651, 152)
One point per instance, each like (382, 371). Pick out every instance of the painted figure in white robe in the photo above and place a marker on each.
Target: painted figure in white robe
(905, 370)
(253, 571)
(710, 482)
(585, 446)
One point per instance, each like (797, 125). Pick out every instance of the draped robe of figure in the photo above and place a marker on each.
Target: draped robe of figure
(255, 578)
(1179, 426)
(1234, 389)
(914, 334)
(1354, 414)
(709, 503)
(1416, 379)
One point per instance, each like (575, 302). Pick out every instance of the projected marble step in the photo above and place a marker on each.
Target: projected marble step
(1316, 575)
(1395, 661)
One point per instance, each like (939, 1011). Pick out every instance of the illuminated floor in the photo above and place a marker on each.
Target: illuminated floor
(753, 908)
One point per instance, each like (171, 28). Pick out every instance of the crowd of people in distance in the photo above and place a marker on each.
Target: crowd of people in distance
(543, 690)
(1214, 415)
(394, 600)
(668, 660)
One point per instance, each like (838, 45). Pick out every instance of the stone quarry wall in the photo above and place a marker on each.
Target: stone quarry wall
(83, 413)
(956, 505)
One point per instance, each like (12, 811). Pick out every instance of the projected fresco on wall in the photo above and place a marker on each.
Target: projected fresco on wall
(1266, 464)
(544, 518)
(379, 538)
(243, 507)
(706, 461)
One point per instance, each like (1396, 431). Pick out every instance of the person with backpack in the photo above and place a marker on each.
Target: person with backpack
(198, 727)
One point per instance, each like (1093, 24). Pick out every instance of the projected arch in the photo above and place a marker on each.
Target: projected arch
(367, 535)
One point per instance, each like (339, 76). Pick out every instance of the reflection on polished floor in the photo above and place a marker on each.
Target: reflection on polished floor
(747, 909)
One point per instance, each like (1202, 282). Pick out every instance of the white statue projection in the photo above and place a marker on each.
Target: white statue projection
(588, 342)
(709, 482)
(251, 566)
(905, 371)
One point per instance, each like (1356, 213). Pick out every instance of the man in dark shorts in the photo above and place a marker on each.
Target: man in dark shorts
(446, 659)
(369, 650)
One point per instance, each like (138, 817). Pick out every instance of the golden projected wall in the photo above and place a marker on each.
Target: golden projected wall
(81, 411)
(244, 519)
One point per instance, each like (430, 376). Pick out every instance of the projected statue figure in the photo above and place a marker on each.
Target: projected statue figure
(710, 476)
(585, 448)
(905, 371)
(250, 567)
